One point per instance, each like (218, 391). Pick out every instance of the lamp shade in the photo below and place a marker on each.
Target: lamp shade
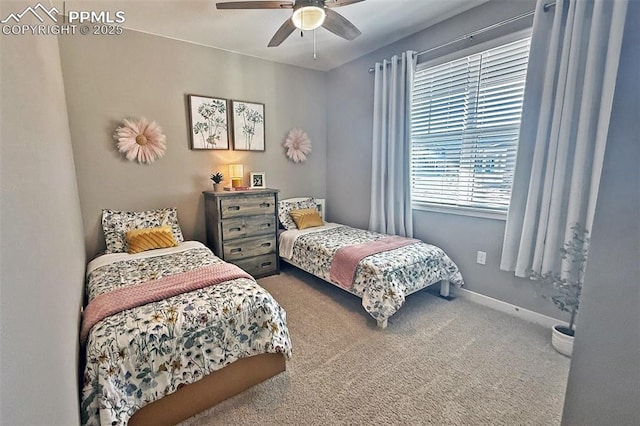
(308, 17)
(236, 172)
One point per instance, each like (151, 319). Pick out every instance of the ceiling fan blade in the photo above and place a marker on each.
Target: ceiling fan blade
(340, 26)
(255, 5)
(283, 32)
(338, 3)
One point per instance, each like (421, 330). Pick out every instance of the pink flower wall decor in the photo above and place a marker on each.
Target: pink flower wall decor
(141, 140)
(298, 145)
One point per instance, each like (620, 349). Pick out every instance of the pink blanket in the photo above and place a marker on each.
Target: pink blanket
(124, 298)
(346, 259)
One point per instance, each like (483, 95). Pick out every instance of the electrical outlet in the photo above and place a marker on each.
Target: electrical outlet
(481, 257)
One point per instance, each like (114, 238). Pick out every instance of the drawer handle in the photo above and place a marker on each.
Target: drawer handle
(235, 208)
(236, 229)
(265, 244)
(236, 250)
(265, 225)
(265, 264)
(265, 205)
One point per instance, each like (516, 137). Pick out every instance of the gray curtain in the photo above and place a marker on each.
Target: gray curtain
(572, 72)
(390, 168)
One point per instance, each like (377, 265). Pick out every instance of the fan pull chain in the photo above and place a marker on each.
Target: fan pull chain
(314, 45)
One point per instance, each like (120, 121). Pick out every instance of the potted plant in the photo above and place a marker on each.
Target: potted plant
(564, 288)
(217, 181)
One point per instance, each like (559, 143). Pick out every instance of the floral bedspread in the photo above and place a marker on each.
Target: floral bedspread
(382, 280)
(140, 355)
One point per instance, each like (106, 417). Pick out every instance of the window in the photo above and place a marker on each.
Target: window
(465, 123)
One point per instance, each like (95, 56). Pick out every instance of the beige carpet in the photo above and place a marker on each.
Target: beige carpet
(439, 362)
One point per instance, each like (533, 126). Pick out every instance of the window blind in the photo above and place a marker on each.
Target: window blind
(465, 121)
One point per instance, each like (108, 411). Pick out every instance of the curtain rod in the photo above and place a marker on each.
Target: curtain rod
(546, 8)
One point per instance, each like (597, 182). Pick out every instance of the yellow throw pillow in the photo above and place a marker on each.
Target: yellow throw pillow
(144, 239)
(306, 218)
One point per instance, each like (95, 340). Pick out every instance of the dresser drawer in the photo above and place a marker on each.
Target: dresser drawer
(248, 247)
(248, 227)
(260, 265)
(247, 206)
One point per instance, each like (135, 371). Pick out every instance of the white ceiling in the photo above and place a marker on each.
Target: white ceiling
(248, 31)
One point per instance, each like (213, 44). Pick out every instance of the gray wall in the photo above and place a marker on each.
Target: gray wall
(350, 114)
(135, 74)
(41, 244)
(604, 380)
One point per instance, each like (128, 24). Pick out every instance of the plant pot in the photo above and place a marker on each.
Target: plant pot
(217, 187)
(562, 339)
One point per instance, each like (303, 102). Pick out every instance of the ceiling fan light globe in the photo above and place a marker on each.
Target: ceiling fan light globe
(308, 17)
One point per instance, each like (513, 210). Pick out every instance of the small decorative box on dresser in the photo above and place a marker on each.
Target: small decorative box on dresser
(242, 229)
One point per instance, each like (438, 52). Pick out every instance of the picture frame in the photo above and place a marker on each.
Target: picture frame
(258, 180)
(248, 126)
(320, 207)
(208, 122)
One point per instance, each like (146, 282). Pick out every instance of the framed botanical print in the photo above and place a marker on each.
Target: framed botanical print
(208, 122)
(248, 126)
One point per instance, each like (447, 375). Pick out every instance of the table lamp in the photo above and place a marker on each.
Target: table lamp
(236, 173)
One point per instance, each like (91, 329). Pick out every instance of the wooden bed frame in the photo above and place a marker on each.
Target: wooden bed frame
(210, 390)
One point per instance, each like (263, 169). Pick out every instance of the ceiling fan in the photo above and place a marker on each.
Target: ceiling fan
(307, 15)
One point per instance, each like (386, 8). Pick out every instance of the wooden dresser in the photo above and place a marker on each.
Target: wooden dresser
(242, 229)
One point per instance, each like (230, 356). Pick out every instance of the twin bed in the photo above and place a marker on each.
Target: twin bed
(172, 329)
(383, 270)
(210, 332)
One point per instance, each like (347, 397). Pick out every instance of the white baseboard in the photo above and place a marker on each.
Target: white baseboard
(499, 305)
